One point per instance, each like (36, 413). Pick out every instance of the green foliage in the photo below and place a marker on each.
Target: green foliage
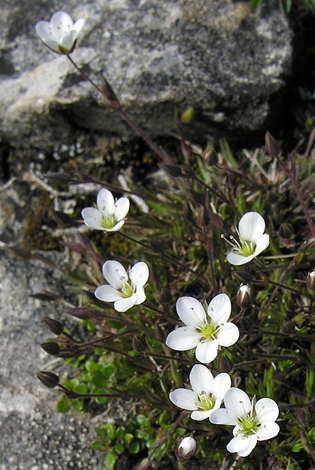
(121, 357)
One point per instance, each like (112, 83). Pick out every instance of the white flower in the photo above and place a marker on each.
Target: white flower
(204, 331)
(252, 242)
(60, 35)
(206, 395)
(125, 290)
(186, 448)
(253, 422)
(109, 215)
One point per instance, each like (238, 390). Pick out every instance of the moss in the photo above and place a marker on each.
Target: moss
(34, 236)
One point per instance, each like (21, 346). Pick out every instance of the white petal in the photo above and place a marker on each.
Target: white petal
(220, 385)
(267, 431)
(242, 446)
(223, 416)
(200, 415)
(251, 226)
(114, 273)
(140, 295)
(107, 294)
(78, 25)
(267, 410)
(219, 309)
(43, 30)
(183, 338)
(92, 218)
(61, 23)
(228, 334)
(238, 260)
(125, 304)
(105, 202)
(236, 400)
(186, 399)
(67, 41)
(201, 379)
(121, 208)
(262, 244)
(115, 228)
(191, 312)
(207, 351)
(139, 274)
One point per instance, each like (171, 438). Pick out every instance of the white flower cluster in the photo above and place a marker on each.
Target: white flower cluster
(204, 331)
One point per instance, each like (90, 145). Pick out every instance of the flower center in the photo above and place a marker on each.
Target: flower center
(247, 248)
(108, 221)
(127, 290)
(206, 402)
(209, 332)
(248, 426)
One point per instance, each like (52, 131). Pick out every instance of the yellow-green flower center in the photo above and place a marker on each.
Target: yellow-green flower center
(248, 426)
(247, 248)
(206, 402)
(127, 290)
(108, 221)
(209, 331)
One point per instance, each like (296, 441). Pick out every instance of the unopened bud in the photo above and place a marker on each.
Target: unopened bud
(165, 296)
(288, 328)
(186, 448)
(109, 93)
(55, 326)
(310, 280)
(203, 217)
(196, 197)
(51, 348)
(272, 147)
(210, 157)
(301, 416)
(173, 170)
(187, 211)
(286, 231)
(48, 379)
(243, 276)
(188, 115)
(139, 344)
(225, 364)
(244, 298)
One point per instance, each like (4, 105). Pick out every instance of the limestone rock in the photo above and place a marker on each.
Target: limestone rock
(229, 64)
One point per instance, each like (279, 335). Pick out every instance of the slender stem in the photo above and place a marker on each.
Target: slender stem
(297, 406)
(209, 247)
(163, 255)
(166, 158)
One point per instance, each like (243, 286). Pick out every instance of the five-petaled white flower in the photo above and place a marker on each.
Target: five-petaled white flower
(252, 242)
(204, 331)
(60, 34)
(206, 395)
(109, 214)
(125, 290)
(253, 421)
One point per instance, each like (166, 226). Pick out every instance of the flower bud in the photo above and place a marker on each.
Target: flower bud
(244, 298)
(139, 344)
(288, 328)
(186, 448)
(225, 364)
(210, 157)
(188, 115)
(301, 417)
(203, 217)
(48, 379)
(165, 296)
(310, 280)
(51, 348)
(55, 326)
(286, 231)
(272, 147)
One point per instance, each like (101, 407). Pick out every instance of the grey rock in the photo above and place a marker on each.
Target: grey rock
(33, 434)
(229, 64)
